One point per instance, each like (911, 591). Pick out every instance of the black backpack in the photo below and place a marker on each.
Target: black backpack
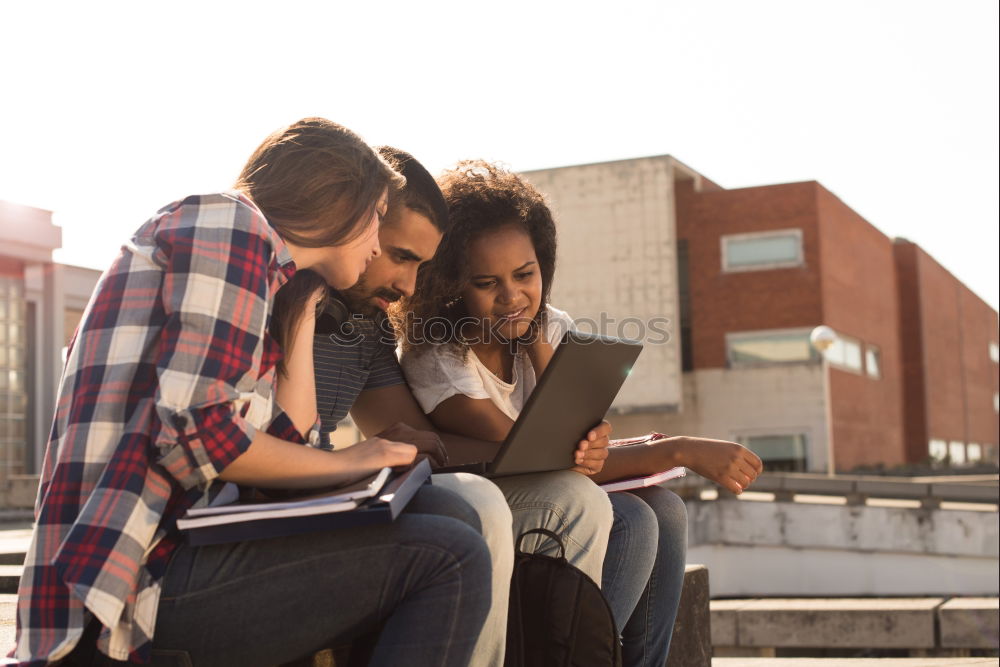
(558, 616)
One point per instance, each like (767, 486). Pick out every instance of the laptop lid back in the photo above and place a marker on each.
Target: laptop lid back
(573, 395)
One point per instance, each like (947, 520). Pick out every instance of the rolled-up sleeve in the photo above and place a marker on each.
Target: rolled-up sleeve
(215, 293)
(281, 427)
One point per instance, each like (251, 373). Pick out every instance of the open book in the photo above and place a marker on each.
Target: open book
(643, 480)
(376, 499)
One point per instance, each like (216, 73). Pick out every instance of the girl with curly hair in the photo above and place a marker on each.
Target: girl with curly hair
(477, 334)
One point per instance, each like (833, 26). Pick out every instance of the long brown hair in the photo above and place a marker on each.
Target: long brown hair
(290, 304)
(315, 181)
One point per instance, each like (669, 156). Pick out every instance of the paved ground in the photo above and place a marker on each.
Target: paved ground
(852, 662)
(8, 603)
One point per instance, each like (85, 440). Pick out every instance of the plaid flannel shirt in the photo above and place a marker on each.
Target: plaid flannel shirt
(168, 378)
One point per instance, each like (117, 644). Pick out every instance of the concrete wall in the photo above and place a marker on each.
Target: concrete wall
(617, 259)
(800, 549)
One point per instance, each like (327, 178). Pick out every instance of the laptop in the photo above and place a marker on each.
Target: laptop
(573, 396)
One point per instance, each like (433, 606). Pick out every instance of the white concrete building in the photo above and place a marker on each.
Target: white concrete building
(41, 302)
(617, 265)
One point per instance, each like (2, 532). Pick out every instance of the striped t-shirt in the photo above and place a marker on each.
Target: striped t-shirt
(358, 356)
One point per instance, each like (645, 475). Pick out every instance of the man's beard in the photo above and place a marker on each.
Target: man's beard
(361, 301)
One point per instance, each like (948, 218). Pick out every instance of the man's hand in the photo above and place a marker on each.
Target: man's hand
(592, 451)
(426, 442)
(728, 464)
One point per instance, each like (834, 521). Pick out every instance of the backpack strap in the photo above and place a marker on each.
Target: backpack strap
(541, 531)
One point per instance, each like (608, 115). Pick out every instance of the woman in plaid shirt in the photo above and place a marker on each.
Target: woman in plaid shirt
(169, 390)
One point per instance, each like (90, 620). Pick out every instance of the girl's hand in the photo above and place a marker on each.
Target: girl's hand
(376, 453)
(592, 451)
(426, 442)
(728, 464)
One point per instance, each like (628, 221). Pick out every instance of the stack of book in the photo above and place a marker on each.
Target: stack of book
(377, 499)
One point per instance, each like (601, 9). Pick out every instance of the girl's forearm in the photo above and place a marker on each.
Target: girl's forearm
(271, 462)
(640, 459)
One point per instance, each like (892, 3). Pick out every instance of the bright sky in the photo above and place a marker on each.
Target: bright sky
(110, 110)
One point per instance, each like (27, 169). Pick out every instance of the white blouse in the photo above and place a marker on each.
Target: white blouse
(438, 372)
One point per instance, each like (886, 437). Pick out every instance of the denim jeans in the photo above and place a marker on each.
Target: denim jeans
(567, 503)
(570, 505)
(424, 579)
(644, 571)
(493, 517)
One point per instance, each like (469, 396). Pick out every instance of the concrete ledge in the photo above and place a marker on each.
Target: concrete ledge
(970, 623)
(13, 546)
(10, 576)
(724, 621)
(691, 645)
(906, 623)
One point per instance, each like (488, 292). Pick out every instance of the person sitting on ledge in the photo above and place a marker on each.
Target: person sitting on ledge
(490, 281)
(169, 391)
(357, 372)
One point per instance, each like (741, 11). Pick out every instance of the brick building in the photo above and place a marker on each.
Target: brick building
(949, 348)
(756, 270)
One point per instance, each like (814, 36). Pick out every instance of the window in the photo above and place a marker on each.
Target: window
(974, 452)
(873, 361)
(13, 397)
(762, 250)
(994, 352)
(938, 450)
(778, 452)
(845, 353)
(783, 346)
(956, 452)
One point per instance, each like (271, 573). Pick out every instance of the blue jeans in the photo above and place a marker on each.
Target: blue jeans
(424, 579)
(644, 571)
(493, 518)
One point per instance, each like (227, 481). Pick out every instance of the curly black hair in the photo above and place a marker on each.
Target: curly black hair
(481, 197)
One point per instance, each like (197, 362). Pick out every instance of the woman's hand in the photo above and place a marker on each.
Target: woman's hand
(376, 453)
(427, 442)
(728, 464)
